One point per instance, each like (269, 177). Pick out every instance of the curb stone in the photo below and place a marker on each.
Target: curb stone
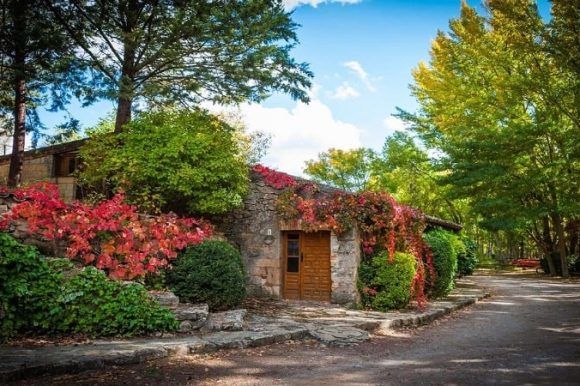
(18, 363)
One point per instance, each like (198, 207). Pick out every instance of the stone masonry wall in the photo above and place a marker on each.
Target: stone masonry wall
(345, 257)
(41, 169)
(256, 230)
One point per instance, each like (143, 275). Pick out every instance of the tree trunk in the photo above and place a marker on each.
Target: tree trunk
(19, 135)
(561, 243)
(548, 246)
(130, 9)
(124, 106)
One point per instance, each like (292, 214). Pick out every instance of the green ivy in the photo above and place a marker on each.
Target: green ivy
(36, 297)
(98, 306)
(28, 290)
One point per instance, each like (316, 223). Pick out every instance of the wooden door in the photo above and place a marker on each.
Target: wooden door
(307, 266)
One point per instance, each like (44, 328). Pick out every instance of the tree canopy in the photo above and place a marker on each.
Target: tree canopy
(174, 52)
(181, 160)
(36, 68)
(345, 169)
(499, 99)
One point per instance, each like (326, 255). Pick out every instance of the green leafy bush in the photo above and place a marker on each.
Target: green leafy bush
(444, 246)
(467, 257)
(98, 306)
(385, 284)
(211, 273)
(36, 297)
(28, 290)
(171, 159)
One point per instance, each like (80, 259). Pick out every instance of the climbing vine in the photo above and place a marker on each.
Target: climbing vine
(382, 223)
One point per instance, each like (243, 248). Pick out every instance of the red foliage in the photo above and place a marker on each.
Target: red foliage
(381, 221)
(111, 235)
(525, 263)
(274, 178)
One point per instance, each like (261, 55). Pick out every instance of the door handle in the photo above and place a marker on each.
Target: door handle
(301, 257)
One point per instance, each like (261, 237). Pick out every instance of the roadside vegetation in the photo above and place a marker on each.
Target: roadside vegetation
(494, 146)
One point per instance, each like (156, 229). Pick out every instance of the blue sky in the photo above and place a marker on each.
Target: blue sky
(362, 53)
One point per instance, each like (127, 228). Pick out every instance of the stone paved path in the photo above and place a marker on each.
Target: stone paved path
(526, 333)
(284, 321)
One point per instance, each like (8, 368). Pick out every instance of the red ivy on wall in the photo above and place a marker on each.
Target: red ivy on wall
(274, 178)
(111, 235)
(382, 223)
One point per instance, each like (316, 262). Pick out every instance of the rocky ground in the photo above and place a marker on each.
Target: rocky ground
(528, 332)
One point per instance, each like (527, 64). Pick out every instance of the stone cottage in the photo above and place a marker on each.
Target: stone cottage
(281, 260)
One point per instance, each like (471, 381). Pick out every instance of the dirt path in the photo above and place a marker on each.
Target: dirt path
(528, 332)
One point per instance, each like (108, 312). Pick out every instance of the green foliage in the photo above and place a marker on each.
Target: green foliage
(28, 290)
(444, 246)
(406, 170)
(35, 297)
(345, 169)
(97, 306)
(385, 284)
(173, 160)
(165, 52)
(467, 256)
(211, 273)
(499, 101)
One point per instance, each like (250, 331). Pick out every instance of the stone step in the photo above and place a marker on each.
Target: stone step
(191, 317)
(226, 321)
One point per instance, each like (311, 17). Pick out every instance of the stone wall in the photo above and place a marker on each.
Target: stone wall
(40, 168)
(345, 259)
(254, 229)
(257, 231)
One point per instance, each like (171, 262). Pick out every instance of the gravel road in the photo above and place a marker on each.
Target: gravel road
(528, 332)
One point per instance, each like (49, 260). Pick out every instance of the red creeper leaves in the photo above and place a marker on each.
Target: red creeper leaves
(111, 235)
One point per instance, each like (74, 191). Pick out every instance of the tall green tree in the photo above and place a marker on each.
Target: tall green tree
(345, 169)
(499, 99)
(152, 52)
(36, 67)
(406, 171)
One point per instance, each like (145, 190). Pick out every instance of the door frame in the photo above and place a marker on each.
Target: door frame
(283, 269)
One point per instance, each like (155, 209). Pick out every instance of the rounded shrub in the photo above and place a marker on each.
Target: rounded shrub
(467, 257)
(211, 272)
(444, 247)
(385, 284)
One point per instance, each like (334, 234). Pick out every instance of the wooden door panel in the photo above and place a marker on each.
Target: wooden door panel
(315, 283)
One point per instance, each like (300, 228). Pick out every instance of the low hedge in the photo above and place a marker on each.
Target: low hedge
(445, 247)
(36, 297)
(467, 257)
(385, 284)
(211, 272)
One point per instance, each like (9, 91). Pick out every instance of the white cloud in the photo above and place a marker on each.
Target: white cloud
(291, 4)
(344, 91)
(360, 73)
(395, 124)
(300, 133)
